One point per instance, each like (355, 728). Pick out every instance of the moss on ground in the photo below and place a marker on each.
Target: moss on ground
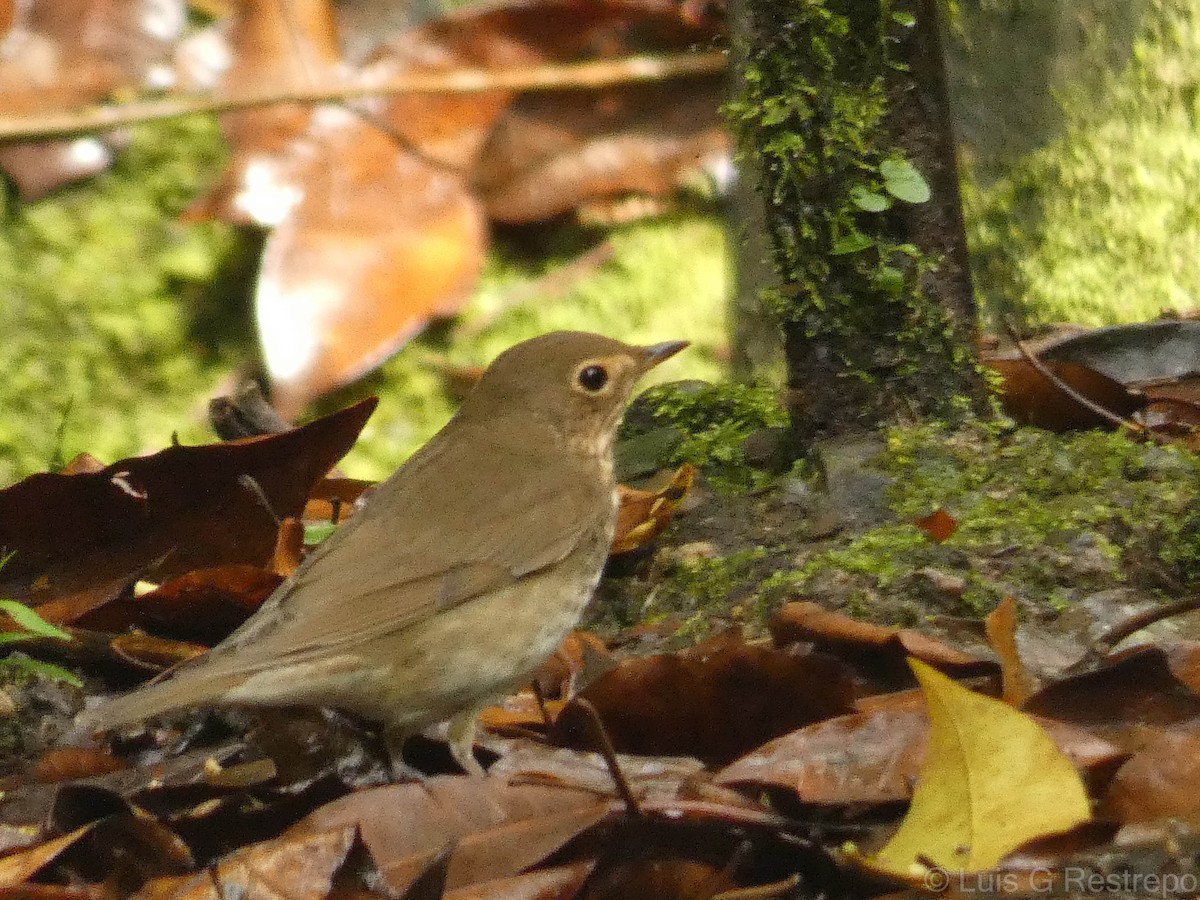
(1048, 519)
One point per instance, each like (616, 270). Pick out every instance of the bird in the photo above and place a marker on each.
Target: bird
(461, 574)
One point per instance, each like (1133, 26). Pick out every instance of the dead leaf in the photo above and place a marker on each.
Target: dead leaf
(1161, 781)
(875, 756)
(296, 866)
(377, 226)
(163, 515)
(554, 883)
(1127, 702)
(72, 763)
(17, 868)
(644, 515)
(377, 242)
(714, 701)
(552, 154)
(1001, 629)
(1032, 399)
(581, 655)
(992, 781)
(64, 54)
(877, 651)
(490, 829)
(939, 525)
(153, 654)
(334, 499)
(205, 605)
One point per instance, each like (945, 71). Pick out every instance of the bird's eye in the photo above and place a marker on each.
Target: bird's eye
(592, 378)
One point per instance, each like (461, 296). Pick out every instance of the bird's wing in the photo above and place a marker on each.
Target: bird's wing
(430, 538)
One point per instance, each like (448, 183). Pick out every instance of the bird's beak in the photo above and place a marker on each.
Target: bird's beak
(656, 353)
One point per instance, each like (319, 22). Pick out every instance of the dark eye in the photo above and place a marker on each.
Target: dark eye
(593, 378)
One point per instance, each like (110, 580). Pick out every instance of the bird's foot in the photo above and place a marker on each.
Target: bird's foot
(398, 769)
(462, 742)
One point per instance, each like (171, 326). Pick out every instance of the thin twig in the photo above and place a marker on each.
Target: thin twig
(610, 757)
(569, 76)
(1138, 621)
(761, 891)
(1049, 374)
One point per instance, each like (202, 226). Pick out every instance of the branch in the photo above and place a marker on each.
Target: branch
(569, 76)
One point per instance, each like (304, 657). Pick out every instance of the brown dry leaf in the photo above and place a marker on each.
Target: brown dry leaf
(664, 877)
(63, 54)
(18, 868)
(875, 756)
(553, 153)
(714, 701)
(490, 829)
(939, 525)
(105, 606)
(1128, 702)
(1001, 629)
(81, 464)
(1032, 399)
(519, 711)
(555, 883)
(376, 229)
(72, 763)
(452, 129)
(270, 45)
(371, 240)
(333, 499)
(1183, 658)
(153, 654)
(296, 867)
(643, 515)
(652, 779)
(877, 651)
(377, 242)
(163, 515)
(1161, 781)
(205, 605)
(581, 654)
(289, 547)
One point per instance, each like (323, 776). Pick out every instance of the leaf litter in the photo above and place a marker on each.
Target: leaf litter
(717, 757)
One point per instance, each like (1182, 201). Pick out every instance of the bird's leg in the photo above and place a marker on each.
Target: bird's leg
(399, 770)
(462, 741)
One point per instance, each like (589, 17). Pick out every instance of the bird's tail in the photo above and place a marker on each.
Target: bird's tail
(189, 688)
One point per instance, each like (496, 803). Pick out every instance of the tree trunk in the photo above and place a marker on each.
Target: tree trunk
(844, 109)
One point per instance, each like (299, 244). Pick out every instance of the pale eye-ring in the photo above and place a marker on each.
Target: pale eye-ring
(592, 378)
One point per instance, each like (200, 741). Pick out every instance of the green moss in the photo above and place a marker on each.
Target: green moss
(884, 554)
(698, 593)
(100, 351)
(714, 423)
(1100, 222)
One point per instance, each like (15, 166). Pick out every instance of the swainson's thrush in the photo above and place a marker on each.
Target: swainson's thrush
(463, 572)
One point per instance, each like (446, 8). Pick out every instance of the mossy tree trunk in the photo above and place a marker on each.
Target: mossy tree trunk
(844, 109)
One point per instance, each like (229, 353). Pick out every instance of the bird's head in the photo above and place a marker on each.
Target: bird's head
(576, 381)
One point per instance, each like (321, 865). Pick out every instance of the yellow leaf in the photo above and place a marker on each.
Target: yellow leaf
(992, 781)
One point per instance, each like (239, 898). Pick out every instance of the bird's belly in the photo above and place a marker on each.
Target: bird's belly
(483, 648)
